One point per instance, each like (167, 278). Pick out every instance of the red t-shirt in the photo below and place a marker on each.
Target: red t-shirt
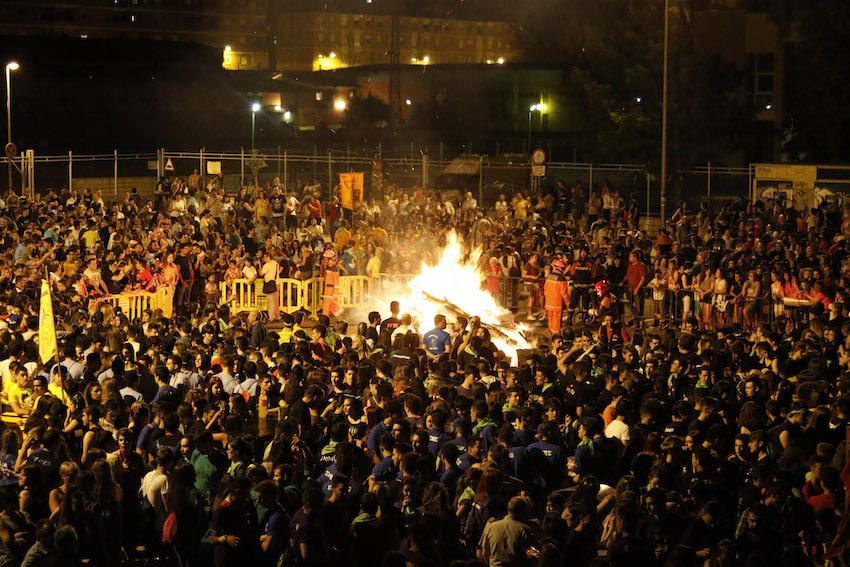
(635, 273)
(822, 501)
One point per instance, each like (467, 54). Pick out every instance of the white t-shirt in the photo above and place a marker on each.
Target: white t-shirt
(618, 429)
(269, 271)
(155, 489)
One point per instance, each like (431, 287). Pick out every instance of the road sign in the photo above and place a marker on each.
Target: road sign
(538, 156)
(168, 165)
(11, 150)
(538, 171)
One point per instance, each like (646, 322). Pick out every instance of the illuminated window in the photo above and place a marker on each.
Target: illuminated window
(762, 80)
(319, 96)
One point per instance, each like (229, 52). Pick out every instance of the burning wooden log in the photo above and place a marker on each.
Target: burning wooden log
(457, 311)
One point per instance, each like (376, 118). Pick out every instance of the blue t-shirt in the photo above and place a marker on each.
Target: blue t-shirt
(437, 341)
(384, 469)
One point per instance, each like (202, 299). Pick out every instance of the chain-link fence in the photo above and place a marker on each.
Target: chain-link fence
(714, 185)
(114, 174)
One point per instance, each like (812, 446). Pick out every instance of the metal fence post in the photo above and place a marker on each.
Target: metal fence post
(285, 167)
(70, 171)
(590, 176)
(424, 170)
(278, 162)
(481, 181)
(330, 175)
(750, 181)
(31, 155)
(115, 173)
(203, 168)
(242, 166)
(708, 184)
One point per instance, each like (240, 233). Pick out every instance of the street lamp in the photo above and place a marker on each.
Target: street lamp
(10, 66)
(664, 113)
(541, 108)
(255, 108)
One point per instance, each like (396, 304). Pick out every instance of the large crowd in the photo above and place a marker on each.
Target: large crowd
(685, 402)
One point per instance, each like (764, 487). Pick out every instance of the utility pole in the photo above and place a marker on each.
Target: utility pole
(664, 112)
(395, 71)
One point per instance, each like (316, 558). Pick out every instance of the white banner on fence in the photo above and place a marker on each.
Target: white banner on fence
(213, 168)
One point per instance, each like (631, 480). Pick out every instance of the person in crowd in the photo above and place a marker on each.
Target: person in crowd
(710, 435)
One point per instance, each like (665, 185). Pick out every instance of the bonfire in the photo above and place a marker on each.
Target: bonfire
(452, 287)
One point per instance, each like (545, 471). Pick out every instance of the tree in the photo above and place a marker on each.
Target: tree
(816, 86)
(614, 49)
(255, 163)
(368, 114)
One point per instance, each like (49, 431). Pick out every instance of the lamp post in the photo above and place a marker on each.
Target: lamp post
(255, 108)
(10, 66)
(541, 108)
(664, 85)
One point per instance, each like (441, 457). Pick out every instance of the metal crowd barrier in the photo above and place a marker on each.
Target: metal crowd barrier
(135, 303)
(247, 295)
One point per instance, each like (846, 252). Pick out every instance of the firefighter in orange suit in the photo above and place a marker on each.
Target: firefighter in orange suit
(556, 295)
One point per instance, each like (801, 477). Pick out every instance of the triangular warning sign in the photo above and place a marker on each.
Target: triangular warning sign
(168, 165)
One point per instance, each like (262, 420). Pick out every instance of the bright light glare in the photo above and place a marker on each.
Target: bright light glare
(500, 60)
(408, 102)
(287, 116)
(427, 294)
(542, 107)
(426, 59)
(13, 66)
(277, 108)
(339, 104)
(255, 107)
(332, 55)
(638, 100)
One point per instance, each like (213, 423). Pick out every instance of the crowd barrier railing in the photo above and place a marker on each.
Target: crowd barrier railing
(247, 295)
(135, 303)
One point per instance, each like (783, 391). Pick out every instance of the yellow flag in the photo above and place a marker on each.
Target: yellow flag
(46, 328)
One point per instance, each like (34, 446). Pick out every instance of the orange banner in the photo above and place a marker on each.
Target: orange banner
(350, 189)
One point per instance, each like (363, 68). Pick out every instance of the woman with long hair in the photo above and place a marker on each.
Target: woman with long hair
(704, 286)
(69, 472)
(104, 515)
(233, 524)
(183, 501)
(720, 299)
(34, 495)
(93, 394)
(95, 438)
(489, 488)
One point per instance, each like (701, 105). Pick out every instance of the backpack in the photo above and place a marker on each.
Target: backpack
(169, 528)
